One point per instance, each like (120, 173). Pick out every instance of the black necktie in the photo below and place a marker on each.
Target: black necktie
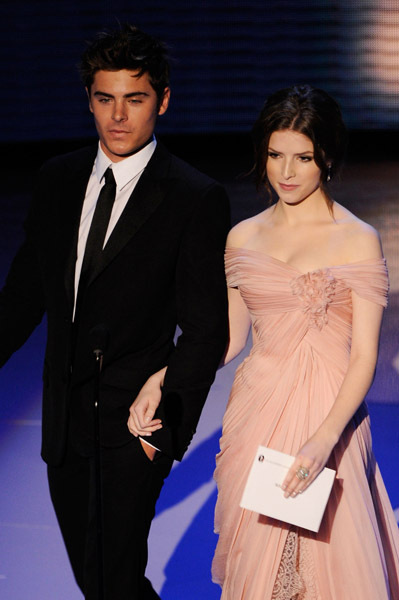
(98, 229)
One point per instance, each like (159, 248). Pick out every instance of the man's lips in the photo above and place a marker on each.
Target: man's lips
(117, 131)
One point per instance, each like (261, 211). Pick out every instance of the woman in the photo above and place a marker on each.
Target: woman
(309, 277)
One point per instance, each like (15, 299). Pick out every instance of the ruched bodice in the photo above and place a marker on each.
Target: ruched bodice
(281, 394)
(281, 299)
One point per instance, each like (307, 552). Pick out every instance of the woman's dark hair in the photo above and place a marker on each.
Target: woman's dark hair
(127, 48)
(309, 111)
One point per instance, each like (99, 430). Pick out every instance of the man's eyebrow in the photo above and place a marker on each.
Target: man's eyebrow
(130, 95)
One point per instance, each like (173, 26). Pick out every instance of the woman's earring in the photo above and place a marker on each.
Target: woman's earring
(329, 173)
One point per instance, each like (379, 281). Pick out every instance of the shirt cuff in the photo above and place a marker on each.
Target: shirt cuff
(148, 443)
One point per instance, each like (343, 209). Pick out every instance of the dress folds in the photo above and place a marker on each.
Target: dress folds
(281, 394)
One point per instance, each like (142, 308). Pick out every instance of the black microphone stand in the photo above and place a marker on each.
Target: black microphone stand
(98, 355)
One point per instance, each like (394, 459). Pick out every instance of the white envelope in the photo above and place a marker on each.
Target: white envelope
(263, 493)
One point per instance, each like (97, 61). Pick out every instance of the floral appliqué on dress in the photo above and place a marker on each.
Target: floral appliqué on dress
(315, 290)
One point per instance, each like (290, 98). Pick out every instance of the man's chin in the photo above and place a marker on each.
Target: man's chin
(117, 153)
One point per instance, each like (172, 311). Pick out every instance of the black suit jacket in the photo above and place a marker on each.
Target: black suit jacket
(162, 267)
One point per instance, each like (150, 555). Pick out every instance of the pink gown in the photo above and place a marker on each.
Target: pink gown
(281, 393)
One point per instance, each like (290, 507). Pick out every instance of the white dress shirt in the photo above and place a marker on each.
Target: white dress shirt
(126, 173)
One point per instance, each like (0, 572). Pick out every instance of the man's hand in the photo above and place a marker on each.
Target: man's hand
(141, 420)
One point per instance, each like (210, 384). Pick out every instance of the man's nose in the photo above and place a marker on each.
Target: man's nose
(119, 113)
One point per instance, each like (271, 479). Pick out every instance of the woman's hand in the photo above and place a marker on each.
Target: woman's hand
(309, 462)
(141, 420)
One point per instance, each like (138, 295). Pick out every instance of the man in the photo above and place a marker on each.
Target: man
(159, 264)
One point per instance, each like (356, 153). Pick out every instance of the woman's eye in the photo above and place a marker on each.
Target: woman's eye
(305, 158)
(272, 154)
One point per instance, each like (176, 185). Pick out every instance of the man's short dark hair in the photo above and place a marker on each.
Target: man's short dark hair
(127, 48)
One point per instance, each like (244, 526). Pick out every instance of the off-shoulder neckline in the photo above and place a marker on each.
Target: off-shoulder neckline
(285, 264)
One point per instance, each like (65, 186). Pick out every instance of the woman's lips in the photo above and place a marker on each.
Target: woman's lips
(288, 188)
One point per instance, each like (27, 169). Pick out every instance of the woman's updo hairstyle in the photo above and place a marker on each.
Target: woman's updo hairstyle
(309, 111)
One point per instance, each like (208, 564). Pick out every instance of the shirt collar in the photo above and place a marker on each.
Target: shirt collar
(127, 169)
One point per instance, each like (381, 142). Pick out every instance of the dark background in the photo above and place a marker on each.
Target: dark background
(228, 56)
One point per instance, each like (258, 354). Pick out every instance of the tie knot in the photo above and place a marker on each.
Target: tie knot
(109, 177)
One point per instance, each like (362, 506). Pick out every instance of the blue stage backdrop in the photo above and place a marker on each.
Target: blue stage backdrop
(228, 54)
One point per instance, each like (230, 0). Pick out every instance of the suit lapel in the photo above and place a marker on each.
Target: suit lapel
(74, 191)
(146, 197)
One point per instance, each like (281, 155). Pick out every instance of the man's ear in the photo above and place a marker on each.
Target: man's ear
(88, 97)
(163, 107)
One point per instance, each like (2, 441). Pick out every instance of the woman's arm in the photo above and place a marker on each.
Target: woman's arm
(315, 453)
(239, 325)
(239, 317)
(141, 421)
(366, 325)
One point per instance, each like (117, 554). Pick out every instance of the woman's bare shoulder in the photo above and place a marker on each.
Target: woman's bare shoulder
(362, 241)
(241, 233)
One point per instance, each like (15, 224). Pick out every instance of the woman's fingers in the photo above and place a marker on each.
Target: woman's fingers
(138, 424)
(141, 413)
(136, 430)
(300, 476)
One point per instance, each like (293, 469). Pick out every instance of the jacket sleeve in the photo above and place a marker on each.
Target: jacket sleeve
(201, 300)
(22, 297)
